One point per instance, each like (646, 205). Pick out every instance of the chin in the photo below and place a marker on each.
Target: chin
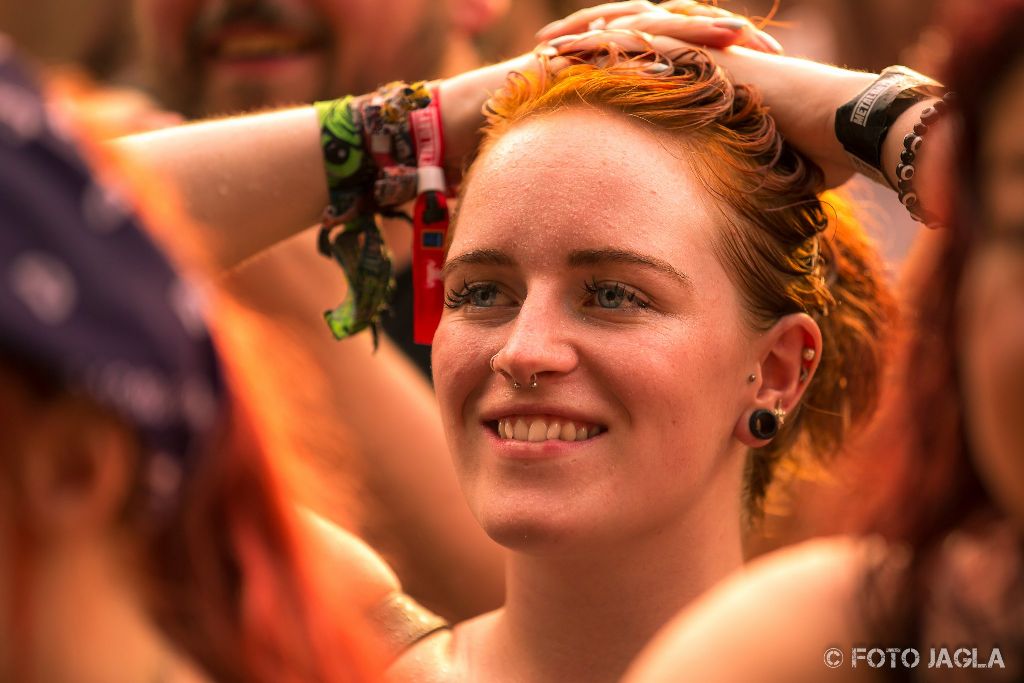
(527, 535)
(525, 525)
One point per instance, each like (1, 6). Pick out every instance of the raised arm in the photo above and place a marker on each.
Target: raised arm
(803, 95)
(255, 180)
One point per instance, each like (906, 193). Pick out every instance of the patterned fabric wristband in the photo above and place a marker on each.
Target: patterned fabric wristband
(358, 247)
(370, 165)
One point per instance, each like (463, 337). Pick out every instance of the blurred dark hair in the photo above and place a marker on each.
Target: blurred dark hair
(938, 489)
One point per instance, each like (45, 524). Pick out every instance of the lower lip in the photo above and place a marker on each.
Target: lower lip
(513, 449)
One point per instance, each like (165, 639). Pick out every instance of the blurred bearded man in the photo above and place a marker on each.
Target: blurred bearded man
(223, 56)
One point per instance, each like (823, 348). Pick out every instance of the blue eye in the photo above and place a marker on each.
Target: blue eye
(614, 295)
(481, 295)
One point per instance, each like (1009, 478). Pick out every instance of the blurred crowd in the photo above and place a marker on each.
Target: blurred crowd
(334, 432)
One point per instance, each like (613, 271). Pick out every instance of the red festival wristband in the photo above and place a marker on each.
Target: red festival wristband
(430, 221)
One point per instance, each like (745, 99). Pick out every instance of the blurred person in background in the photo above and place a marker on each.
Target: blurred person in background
(212, 57)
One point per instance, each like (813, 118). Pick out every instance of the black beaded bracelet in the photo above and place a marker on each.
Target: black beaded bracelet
(905, 169)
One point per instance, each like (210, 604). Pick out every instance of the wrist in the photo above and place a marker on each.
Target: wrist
(865, 123)
(802, 97)
(892, 148)
(462, 101)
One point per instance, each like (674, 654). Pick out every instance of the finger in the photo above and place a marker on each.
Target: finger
(695, 30)
(699, 30)
(630, 41)
(775, 47)
(580, 20)
(692, 8)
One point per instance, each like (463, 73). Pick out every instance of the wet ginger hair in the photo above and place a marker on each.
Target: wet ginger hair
(787, 248)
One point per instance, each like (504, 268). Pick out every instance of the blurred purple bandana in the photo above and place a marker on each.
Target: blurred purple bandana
(85, 293)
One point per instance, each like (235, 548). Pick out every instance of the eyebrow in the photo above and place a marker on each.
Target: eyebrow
(577, 259)
(598, 257)
(478, 257)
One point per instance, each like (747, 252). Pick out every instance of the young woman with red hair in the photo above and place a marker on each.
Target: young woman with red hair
(649, 310)
(144, 535)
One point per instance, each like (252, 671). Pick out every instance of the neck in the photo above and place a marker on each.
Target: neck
(585, 615)
(88, 625)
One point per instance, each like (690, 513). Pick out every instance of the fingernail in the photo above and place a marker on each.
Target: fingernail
(775, 45)
(731, 24)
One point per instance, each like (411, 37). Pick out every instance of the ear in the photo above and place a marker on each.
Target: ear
(77, 470)
(789, 355)
(472, 17)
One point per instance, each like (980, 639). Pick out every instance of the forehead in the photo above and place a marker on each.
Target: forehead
(584, 172)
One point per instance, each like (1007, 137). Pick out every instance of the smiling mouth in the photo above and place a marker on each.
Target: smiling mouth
(538, 428)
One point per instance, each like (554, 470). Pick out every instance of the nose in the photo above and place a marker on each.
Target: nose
(538, 344)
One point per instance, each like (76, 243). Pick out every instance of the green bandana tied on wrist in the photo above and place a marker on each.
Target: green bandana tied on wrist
(371, 167)
(358, 247)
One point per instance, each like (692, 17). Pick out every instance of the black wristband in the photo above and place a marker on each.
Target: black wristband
(863, 123)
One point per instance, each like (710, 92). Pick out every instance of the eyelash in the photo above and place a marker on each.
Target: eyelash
(593, 287)
(455, 299)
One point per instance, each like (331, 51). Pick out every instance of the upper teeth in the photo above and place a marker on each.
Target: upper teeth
(535, 428)
(258, 45)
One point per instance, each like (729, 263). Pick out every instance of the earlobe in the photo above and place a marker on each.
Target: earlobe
(758, 426)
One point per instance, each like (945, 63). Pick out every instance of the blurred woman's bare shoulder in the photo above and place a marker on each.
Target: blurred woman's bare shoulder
(783, 617)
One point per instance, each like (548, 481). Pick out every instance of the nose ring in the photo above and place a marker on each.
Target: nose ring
(531, 385)
(515, 382)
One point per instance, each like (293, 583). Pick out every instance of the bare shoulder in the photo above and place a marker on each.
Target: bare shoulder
(457, 655)
(774, 620)
(344, 560)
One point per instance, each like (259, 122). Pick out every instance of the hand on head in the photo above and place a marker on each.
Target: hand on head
(682, 20)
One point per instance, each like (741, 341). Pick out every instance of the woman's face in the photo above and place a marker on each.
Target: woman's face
(583, 255)
(993, 300)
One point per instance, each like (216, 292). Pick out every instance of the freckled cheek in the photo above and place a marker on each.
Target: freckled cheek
(459, 361)
(695, 361)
